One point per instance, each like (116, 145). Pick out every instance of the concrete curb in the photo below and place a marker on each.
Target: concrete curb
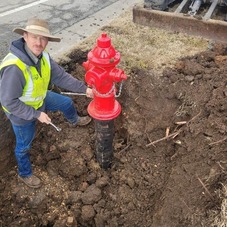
(78, 32)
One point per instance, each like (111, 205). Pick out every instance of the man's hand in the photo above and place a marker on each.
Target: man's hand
(44, 118)
(89, 93)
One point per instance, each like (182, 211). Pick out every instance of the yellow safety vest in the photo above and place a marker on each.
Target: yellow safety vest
(36, 85)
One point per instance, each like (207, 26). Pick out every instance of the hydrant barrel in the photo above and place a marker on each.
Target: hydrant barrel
(101, 76)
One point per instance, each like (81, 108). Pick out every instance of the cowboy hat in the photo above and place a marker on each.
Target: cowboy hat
(38, 27)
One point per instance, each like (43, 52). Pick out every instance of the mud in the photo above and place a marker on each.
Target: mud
(169, 164)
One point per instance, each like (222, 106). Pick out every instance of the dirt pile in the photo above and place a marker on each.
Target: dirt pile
(169, 164)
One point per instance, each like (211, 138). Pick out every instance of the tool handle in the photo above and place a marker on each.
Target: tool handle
(72, 93)
(57, 128)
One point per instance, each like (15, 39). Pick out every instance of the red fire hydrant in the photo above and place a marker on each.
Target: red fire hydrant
(101, 76)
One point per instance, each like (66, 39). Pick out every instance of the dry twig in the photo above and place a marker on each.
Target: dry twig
(125, 148)
(205, 188)
(167, 131)
(164, 138)
(219, 141)
(181, 122)
(174, 134)
(192, 119)
(145, 131)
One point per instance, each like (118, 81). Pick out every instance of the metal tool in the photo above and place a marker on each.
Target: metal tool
(72, 93)
(57, 128)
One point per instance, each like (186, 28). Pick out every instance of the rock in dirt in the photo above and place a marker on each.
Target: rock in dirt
(100, 221)
(52, 168)
(102, 182)
(37, 200)
(98, 206)
(92, 195)
(131, 182)
(87, 213)
(72, 165)
(74, 197)
(71, 222)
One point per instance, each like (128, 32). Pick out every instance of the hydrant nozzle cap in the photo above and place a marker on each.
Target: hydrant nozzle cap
(104, 41)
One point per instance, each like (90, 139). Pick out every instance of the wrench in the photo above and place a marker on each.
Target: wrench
(72, 93)
(57, 128)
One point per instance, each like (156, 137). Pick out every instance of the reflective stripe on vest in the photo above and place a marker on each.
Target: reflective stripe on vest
(36, 85)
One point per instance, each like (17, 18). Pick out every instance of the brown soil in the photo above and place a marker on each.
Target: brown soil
(169, 165)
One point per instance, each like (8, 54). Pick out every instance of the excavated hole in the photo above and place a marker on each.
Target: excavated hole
(154, 179)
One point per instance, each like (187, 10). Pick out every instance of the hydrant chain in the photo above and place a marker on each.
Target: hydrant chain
(120, 90)
(106, 94)
(109, 92)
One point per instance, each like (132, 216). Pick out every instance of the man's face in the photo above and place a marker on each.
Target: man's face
(36, 43)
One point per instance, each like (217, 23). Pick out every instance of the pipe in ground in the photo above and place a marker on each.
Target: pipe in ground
(104, 142)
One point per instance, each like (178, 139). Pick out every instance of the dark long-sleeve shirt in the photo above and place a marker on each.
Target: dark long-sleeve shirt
(13, 82)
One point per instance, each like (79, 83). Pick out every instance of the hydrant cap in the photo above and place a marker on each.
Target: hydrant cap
(104, 41)
(104, 54)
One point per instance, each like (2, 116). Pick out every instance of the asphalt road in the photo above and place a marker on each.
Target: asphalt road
(72, 20)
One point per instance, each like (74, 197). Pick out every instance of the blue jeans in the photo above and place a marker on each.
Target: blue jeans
(26, 133)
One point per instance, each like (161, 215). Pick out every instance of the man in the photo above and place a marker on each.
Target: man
(26, 73)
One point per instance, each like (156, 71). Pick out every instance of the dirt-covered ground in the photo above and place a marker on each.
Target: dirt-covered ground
(169, 165)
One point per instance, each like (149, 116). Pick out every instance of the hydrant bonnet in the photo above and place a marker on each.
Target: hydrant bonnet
(104, 54)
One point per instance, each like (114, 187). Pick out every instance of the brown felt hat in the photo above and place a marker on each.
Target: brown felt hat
(38, 27)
